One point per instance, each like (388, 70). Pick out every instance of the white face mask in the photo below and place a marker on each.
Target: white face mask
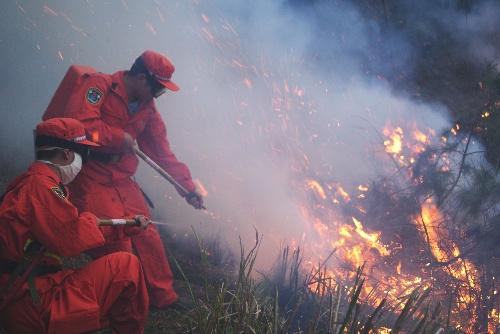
(68, 172)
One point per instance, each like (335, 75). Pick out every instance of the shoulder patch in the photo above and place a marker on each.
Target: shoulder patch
(58, 192)
(93, 95)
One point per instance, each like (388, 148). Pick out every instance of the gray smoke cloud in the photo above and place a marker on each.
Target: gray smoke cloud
(270, 91)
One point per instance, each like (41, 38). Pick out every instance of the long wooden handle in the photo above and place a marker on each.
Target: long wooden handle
(162, 172)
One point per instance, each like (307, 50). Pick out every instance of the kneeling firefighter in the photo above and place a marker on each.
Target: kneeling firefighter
(38, 225)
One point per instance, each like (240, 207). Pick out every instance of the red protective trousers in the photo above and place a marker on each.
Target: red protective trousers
(125, 199)
(86, 299)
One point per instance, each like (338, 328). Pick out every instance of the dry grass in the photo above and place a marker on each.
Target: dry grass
(216, 300)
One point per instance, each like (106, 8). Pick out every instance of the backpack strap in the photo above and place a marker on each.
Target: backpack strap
(23, 273)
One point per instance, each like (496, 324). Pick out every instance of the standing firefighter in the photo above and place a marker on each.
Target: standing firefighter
(117, 110)
(38, 225)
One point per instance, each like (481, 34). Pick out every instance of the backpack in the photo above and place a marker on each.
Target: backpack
(69, 86)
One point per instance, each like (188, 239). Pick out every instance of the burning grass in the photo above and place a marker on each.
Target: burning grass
(289, 300)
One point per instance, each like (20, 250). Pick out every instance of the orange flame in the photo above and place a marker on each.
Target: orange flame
(394, 145)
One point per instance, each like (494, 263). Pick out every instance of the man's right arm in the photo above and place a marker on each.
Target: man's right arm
(56, 223)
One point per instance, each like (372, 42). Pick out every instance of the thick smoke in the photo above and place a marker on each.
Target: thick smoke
(270, 91)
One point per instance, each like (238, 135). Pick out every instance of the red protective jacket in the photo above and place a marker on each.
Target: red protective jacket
(35, 208)
(100, 103)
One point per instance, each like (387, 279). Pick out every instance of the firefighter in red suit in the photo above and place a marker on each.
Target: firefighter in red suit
(35, 210)
(117, 110)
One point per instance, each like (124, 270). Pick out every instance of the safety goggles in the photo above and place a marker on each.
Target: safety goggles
(157, 89)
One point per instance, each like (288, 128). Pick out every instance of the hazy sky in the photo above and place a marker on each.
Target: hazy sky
(272, 92)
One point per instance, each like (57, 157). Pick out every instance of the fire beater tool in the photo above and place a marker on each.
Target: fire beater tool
(162, 172)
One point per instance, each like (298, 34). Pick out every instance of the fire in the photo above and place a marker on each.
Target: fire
(372, 238)
(341, 192)
(394, 143)
(439, 241)
(445, 250)
(361, 246)
(318, 190)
